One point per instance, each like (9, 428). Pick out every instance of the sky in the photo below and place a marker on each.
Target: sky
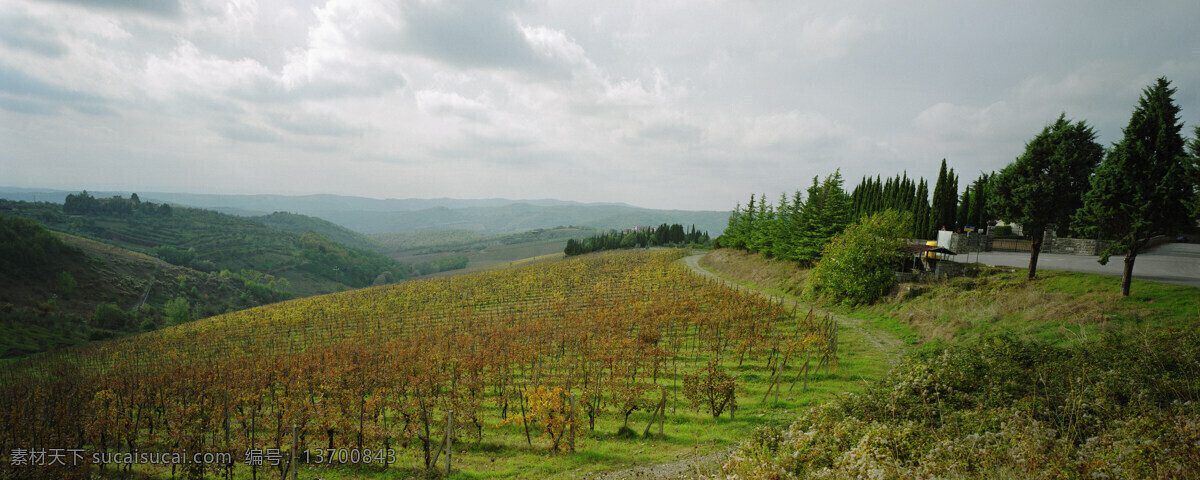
(662, 104)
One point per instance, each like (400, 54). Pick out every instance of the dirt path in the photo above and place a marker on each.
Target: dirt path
(880, 340)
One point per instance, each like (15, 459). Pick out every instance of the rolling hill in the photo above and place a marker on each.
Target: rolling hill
(52, 283)
(209, 241)
(368, 215)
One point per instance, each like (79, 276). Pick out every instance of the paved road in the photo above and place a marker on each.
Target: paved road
(1177, 263)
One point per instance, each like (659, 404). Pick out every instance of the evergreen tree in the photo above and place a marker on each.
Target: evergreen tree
(962, 217)
(921, 213)
(1194, 154)
(826, 212)
(945, 199)
(1041, 185)
(1141, 188)
(979, 202)
(732, 237)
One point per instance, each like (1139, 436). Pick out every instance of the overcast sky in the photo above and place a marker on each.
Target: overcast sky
(690, 105)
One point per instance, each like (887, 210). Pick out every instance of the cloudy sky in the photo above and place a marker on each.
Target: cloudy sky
(662, 104)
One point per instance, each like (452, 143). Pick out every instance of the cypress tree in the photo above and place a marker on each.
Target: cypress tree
(1141, 188)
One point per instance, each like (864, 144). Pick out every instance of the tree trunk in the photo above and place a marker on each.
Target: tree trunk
(1035, 248)
(1127, 275)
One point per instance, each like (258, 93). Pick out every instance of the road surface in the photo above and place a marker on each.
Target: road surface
(1176, 263)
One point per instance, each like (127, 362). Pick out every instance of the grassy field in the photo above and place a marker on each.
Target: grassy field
(1059, 377)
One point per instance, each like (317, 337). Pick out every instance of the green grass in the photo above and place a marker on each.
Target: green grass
(1057, 307)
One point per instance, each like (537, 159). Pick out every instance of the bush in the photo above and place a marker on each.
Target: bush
(107, 315)
(858, 265)
(178, 311)
(65, 283)
(1121, 406)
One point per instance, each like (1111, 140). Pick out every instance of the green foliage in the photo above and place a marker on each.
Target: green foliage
(110, 316)
(178, 311)
(826, 212)
(794, 230)
(1044, 186)
(27, 247)
(1193, 148)
(65, 283)
(299, 224)
(1141, 188)
(641, 237)
(435, 266)
(210, 242)
(1112, 407)
(945, 198)
(175, 256)
(260, 288)
(349, 266)
(83, 203)
(859, 265)
(900, 193)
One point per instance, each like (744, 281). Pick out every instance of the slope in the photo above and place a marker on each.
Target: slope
(212, 242)
(297, 223)
(48, 301)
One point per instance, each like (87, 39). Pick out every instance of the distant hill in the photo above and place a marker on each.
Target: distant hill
(521, 217)
(52, 283)
(209, 241)
(296, 223)
(463, 240)
(265, 204)
(367, 215)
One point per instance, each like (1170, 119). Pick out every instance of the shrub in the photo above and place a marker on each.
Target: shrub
(858, 265)
(178, 311)
(1121, 406)
(107, 315)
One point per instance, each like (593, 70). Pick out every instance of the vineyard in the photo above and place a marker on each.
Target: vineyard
(543, 353)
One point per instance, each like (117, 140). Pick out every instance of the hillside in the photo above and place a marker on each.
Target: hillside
(478, 250)
(368, 215)
(296, 223)
(625, 337)
(50, 301)
(212, 242)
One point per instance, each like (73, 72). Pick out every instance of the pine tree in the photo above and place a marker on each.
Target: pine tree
(961, 218)
(1141, 188)
(1040, 186)
(944, 195)
(1194, 153)
(731, 238)
(920, 212)
(779, 228)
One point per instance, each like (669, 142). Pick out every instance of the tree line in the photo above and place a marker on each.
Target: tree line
(84, 203)
(641, 237)
(1148, 184)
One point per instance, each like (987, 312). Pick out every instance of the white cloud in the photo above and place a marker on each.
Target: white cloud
(595, 101)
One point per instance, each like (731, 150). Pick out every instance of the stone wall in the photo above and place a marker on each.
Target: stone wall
(1052, 243)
